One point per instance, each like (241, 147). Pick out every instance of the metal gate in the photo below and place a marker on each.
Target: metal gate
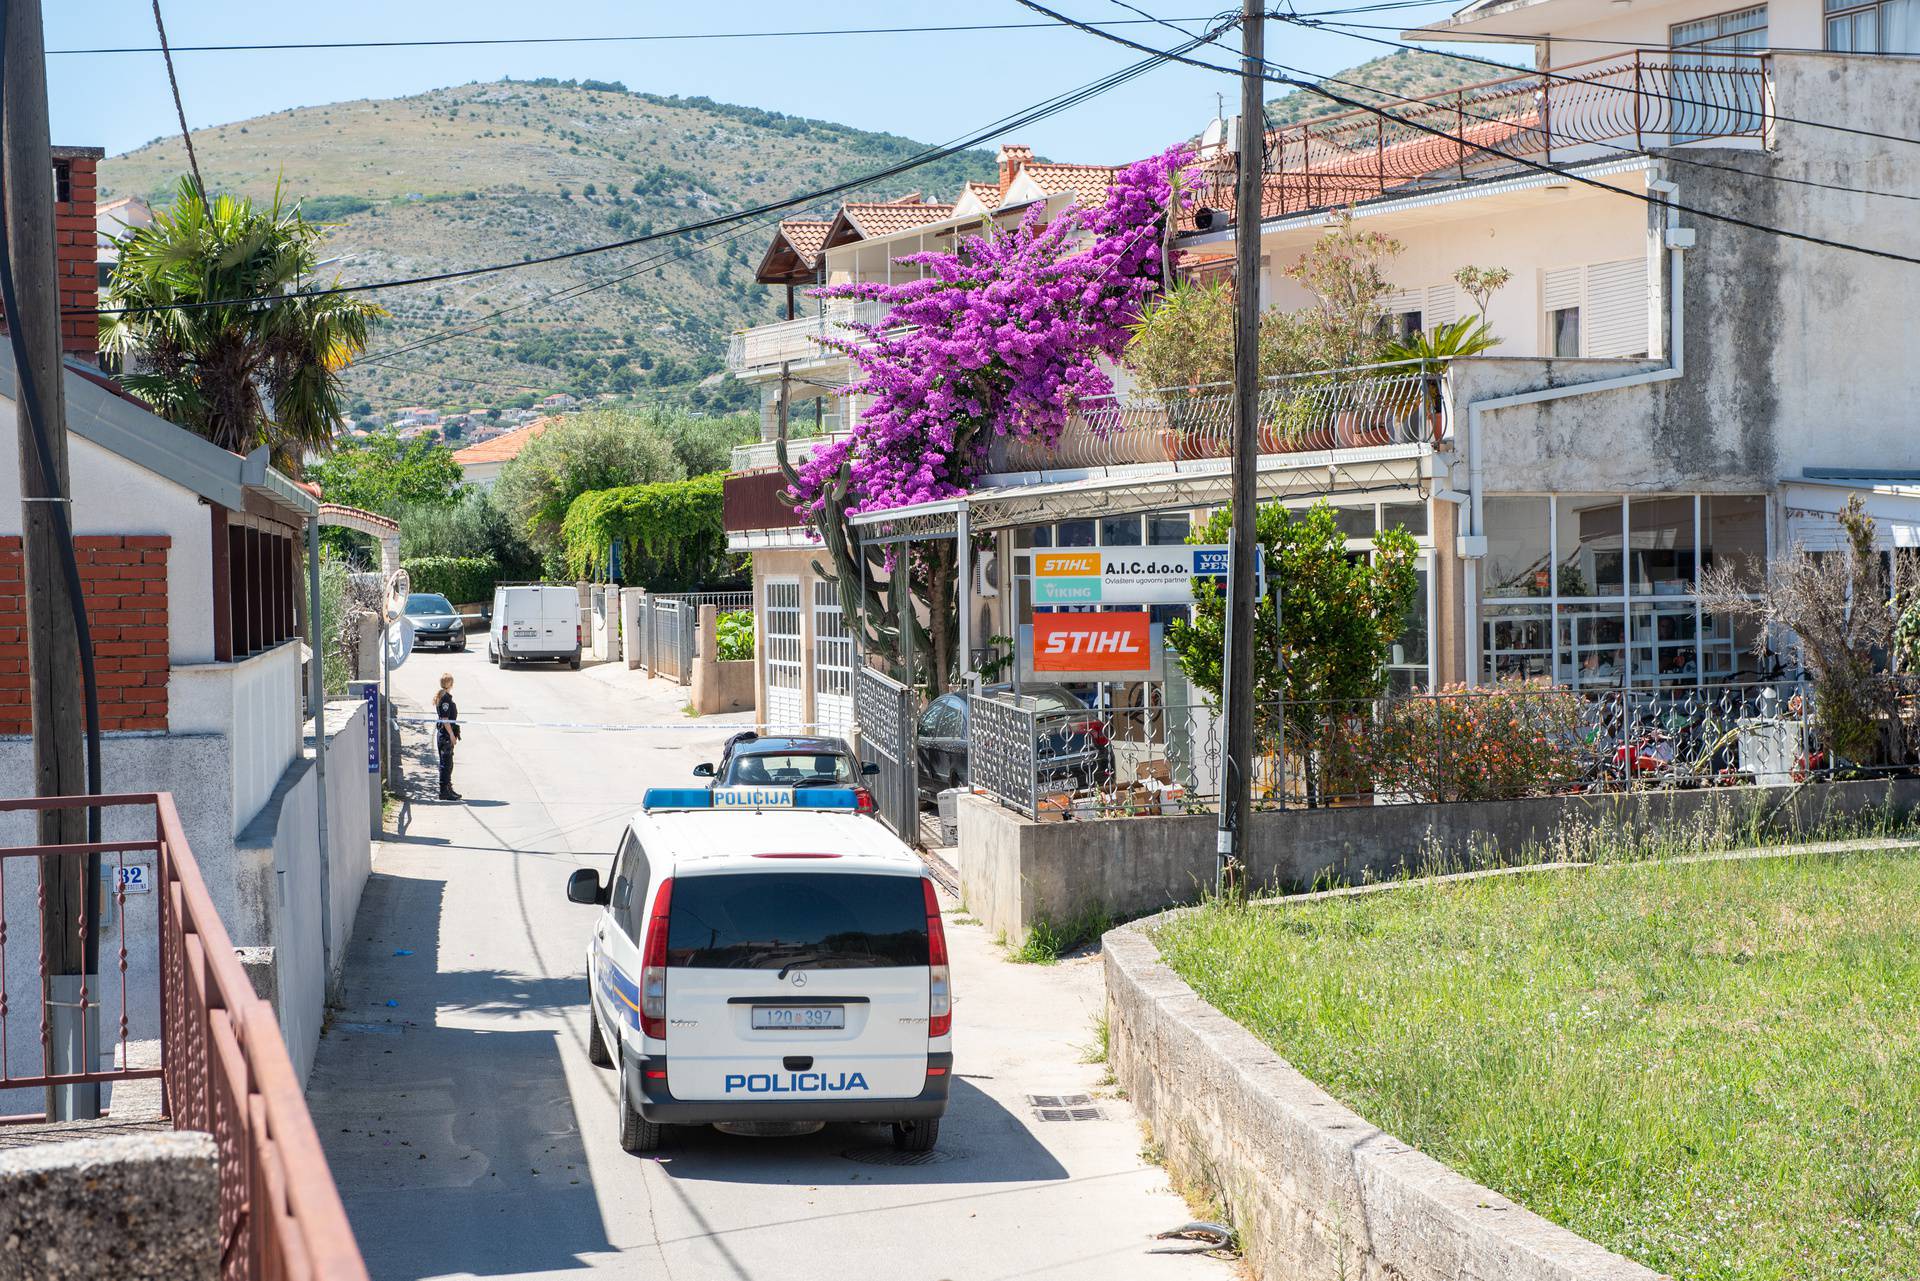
(670, 620)
(832, 662)
(786, 690)
(886, 710)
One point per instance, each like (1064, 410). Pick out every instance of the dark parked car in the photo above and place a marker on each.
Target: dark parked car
(1073, 750)
(436, 624)
(750, 760)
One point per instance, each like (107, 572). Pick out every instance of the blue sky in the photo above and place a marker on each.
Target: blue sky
(926, 86)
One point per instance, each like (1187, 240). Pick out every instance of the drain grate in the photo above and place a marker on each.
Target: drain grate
(1064, 1107)
(892, 1156)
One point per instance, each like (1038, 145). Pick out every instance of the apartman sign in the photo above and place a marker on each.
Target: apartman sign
(1107, 646)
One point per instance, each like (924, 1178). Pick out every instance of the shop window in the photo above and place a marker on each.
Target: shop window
(1355, 522)
(1075, 533)
(1591, 646)
(1407, 659)
(1517, 545)
(1516, 640)
(1588, 545)
(1120, 531)
(1663, 559)
(1169, 531)
(1411, 517)
(1733, 530)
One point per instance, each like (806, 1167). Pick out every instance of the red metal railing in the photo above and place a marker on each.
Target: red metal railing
(1615, 105)
(223, 1067)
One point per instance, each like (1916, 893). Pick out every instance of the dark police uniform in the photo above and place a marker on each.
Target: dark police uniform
(448, 734)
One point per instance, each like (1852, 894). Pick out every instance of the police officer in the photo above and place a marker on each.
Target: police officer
(447, 732)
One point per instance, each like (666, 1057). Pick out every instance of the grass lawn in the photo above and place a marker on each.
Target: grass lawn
(1711, 1068)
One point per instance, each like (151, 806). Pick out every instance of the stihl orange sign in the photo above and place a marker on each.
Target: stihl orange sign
(1091, 642)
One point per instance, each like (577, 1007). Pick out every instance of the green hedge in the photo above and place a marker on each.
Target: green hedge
(670, 533)
(463, 580)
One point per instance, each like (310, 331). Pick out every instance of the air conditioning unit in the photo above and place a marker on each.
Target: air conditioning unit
(986, 575)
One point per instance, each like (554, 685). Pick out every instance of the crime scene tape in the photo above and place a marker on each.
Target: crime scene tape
(711, 728)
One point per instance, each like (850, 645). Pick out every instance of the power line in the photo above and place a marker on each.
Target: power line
(1671, 155)
(1576, 80)
(1293, 80)
(1038, 112)
(173, 82)
(649, 38)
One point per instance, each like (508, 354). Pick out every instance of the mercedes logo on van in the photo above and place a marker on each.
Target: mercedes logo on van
(799, 978)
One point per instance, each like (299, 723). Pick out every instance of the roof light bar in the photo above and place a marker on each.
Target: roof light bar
(750, 798)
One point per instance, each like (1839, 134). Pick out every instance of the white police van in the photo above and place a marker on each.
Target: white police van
(768, 959)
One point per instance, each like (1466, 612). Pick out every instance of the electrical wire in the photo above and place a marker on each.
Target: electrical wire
(1040, 111)
(1671, 155)
(173, 82)
(649, 38)
(60, 512)
(1575, 80)
(1294, 80)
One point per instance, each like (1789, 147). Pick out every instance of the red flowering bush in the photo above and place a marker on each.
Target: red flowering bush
(1479, 743)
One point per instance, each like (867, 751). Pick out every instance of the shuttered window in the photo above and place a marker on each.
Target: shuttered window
(1609, 305)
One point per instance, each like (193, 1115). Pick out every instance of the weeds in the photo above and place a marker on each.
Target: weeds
(1048, 940)
(1095, 1051)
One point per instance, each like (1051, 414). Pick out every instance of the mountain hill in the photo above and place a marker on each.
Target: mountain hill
(488, 173)
(1390, 80)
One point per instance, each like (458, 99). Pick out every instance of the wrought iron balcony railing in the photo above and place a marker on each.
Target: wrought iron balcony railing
(1617, 105)
(1369, 405)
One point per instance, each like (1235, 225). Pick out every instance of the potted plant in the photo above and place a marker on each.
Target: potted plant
(1467, 336)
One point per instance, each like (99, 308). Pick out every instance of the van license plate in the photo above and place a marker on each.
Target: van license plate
(786, 1017)
(523, 632)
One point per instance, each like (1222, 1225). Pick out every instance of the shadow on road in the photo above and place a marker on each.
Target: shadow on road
(981, 1142)
(450, 1130)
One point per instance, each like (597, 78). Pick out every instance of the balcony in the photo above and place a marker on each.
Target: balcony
(764, 347)
(1618, 105)
(1371, 405)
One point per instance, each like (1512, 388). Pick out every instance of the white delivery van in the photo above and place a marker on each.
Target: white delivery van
(535, 623)
(767, 959)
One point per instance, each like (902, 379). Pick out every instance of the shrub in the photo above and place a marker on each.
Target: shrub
(671, 535)
(461, 579)
(734, 635)
(1479, 743)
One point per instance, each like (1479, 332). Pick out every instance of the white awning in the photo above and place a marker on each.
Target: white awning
(1812, 510)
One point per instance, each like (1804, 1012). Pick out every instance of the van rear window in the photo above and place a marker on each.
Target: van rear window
(767, 921)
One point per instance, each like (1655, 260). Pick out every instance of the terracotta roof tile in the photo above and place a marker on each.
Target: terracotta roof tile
(806, 235)
(502, 448)
(1088, 183)
(989, 193)
(872, 220)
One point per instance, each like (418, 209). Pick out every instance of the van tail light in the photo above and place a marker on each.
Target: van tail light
(939, 978)
(653, 967)
(863, 800)
(577, 639)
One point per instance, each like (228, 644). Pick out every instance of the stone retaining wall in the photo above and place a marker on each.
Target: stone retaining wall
(1315, 1192)
(131, 1205)
(1014, 872)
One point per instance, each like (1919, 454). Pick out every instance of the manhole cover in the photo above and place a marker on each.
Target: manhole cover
(1064, 1107)
(893, 1156)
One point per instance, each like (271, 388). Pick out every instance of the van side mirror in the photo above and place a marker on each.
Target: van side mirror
(584, 887)
(703, 770)
(870, 767)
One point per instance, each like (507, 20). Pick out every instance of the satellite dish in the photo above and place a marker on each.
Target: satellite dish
(1214, 136)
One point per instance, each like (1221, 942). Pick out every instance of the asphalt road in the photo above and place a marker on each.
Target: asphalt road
(471, 1138)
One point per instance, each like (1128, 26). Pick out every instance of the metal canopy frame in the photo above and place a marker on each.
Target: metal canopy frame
(1115, 491)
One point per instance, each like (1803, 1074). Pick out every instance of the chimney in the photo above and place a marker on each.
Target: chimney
(1012, 160)
(76, 235)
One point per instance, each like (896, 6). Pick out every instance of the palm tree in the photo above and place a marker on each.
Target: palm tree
(263, 366)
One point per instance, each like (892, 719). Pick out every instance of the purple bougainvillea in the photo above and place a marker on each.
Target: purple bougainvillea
(999, 338)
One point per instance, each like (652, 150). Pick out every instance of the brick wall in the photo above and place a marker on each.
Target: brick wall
(74, 250)
(124, 579)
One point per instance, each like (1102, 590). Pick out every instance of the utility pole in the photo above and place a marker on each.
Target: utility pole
(1236, 690)
(69, 912)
